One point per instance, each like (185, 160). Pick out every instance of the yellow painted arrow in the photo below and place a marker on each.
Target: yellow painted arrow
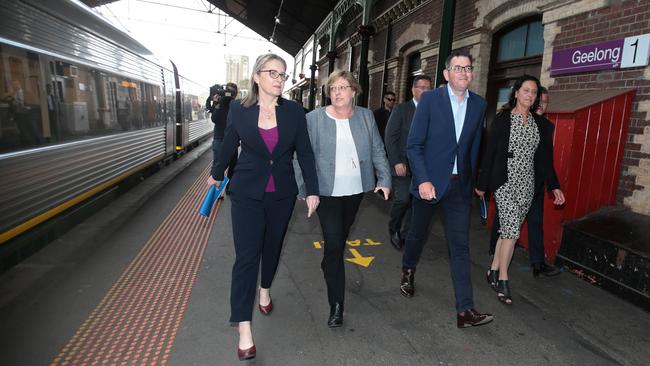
(359, 259)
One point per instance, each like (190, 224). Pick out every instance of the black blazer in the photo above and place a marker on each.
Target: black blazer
(255, 162)
(397, 132)
(494, 170)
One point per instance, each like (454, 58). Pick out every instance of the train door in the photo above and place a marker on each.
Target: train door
(182, 133)
(169, 109)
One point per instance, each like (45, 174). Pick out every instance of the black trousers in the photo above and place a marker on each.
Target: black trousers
(258, 229)
(455, 206)
(336, 215)
(535, 218)
(400, 211)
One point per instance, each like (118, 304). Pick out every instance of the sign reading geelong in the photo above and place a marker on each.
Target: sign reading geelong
(620, 53)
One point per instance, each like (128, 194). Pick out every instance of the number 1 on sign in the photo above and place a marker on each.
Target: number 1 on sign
(635, 51)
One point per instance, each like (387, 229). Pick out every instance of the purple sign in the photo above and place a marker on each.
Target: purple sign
(599, 56)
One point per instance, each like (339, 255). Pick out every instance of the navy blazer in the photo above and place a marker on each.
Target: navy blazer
(494, 167)
(256, 163)
(432, 146)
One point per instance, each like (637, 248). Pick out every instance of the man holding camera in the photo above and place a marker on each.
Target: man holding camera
(218, 104)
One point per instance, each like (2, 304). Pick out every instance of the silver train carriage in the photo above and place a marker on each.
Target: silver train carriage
(82, 107)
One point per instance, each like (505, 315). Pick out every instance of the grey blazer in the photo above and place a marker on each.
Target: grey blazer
(370, 149)
(397, 131)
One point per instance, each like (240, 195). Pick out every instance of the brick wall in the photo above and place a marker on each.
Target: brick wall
(621, 19)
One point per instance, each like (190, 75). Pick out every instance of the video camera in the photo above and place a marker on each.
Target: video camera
(221, 91)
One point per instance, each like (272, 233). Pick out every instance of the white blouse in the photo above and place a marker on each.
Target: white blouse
(347, 173)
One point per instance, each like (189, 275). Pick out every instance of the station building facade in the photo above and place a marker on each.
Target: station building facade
(506, 38)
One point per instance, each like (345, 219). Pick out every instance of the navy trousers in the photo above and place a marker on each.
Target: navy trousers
(535, 219)
(258, 229)
(456, 210)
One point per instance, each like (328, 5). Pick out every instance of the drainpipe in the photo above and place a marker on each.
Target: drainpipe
(446, 38)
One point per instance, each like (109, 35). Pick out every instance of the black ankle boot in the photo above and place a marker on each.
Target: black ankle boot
(407, 283)
(336, 315)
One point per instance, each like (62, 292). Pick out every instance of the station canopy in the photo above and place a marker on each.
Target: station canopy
(299, 19)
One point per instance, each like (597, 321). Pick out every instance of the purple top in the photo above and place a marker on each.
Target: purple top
(270, 138)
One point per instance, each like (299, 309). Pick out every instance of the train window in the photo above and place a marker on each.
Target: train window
(21, 120)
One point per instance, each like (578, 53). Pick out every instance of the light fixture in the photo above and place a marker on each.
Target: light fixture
(276, 22)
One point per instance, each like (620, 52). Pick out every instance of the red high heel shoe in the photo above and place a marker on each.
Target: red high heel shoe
(266, 309)
(246, 354)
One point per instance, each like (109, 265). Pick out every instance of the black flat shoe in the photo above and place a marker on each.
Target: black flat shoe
(336, 315)
(503, 292)
(544, 269)
(493, 278)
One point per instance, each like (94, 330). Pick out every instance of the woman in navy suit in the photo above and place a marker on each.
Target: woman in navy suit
(263, 188)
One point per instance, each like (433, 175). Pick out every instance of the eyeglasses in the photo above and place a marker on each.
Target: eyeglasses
(335, 88)
(274, 74)
(390, 99)
(457, 69)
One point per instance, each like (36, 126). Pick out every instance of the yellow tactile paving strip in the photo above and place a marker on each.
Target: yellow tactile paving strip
(137, 321)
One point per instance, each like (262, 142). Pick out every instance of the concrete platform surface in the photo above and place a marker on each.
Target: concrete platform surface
(554, 321)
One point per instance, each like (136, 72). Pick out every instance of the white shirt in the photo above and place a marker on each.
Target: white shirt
(347, 173)
(459, 110)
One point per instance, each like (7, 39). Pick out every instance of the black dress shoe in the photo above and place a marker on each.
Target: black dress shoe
(396, 240)
(336, 315)
(407, 283)
(545, 269)
(472, 318)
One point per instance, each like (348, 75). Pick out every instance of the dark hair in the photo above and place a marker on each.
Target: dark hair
(458, 53)
(233, 87)
(542, 90)
(512, 101)
(422, 77)
(389, 93)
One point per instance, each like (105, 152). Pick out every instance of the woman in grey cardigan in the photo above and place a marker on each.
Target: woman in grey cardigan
(349, 154)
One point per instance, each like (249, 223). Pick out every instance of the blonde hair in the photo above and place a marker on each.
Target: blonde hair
(251, 99)
(336, 74)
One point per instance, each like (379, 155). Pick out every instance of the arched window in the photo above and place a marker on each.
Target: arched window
(414, 69)
(522, 41)
(516, 49)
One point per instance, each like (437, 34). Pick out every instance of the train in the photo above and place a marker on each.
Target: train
(83, 106)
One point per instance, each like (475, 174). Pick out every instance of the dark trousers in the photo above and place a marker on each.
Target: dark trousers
(400, 211)
(258, 229)
(455, 207)
(535, 230)
(336, 215)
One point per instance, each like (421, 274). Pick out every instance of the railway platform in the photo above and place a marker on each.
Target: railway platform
(146, 281)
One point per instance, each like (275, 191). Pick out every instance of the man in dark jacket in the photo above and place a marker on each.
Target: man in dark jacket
(383, 113)
(397, 131)
(218, 106)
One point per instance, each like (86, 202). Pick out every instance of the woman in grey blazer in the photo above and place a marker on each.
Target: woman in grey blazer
(349, 155)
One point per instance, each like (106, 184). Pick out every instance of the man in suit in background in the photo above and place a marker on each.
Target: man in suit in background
(535, 216)
(383, 113)
(397, 131)
(443, 147)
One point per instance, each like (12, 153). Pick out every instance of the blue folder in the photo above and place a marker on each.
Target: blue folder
(484, 207)
(211, 196)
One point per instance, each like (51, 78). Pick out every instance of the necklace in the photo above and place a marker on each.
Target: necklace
(267, 115)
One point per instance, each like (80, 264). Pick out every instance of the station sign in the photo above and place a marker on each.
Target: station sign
(617, 54)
